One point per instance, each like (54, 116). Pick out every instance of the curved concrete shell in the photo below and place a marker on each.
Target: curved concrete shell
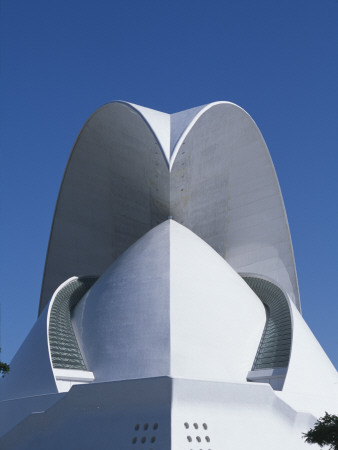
(169, 306)
(208, 168)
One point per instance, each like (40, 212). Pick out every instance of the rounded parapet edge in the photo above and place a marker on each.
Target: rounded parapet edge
(192, 122)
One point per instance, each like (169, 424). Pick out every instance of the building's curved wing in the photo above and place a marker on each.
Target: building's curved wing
(223, 187)
(114, 190)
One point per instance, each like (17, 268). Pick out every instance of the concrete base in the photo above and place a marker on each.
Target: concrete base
(162, 413)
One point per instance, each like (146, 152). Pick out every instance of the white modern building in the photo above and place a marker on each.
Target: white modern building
(169, 315)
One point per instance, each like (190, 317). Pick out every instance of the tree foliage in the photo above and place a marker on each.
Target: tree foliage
(324, 432)
(4, 368)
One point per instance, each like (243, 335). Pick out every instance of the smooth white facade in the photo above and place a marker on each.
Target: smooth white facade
(171, 212)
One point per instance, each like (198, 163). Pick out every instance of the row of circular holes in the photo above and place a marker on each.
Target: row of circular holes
(204, 425)
(145, 428)
(198, 439)
(144, 439)
(155, 426)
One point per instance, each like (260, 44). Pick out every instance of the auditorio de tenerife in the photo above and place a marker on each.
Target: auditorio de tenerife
(169, 315)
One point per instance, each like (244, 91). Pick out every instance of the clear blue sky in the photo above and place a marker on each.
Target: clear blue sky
(62, 60)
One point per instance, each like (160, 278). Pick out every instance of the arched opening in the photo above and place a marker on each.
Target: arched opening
(273, 354)
(68, 364)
